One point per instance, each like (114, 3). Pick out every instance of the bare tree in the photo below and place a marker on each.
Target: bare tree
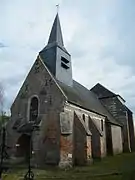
(3, 117)
(1, 105)
(1, 99)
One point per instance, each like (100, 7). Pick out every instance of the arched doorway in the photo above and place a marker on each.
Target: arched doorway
(23, 146)
(33, 114)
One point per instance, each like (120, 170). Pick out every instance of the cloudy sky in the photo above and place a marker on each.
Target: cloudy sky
(99, 34)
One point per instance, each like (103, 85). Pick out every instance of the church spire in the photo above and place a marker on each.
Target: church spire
(56, 34)
(56, 57)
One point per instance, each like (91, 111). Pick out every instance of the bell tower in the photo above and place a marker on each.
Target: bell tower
(55, 55)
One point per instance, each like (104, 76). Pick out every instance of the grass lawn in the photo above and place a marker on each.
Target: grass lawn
(120, 167)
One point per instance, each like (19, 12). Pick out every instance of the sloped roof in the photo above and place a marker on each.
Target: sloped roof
(81, 96)
(56, 34)
(101, 91)
(127, 109)
(56, 38)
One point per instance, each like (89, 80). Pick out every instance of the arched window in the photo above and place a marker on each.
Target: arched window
(33, 109)
(83, 116)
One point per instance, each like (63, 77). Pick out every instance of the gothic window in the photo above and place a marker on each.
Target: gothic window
(83, 116)
(102, 125)
(34, 109)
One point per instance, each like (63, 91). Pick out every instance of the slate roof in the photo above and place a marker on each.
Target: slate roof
(101, 91)
(56, 38)
(127, 109)
(56, 34)
(81, 96)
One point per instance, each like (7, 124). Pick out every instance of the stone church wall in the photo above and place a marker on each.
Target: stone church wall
(131, 130)
(96, 141)
(118, 111)
(68, 143)
(66, 137)
(54, 143)
(97, 119)
(39, 83)
(99, 131)
(116, 139)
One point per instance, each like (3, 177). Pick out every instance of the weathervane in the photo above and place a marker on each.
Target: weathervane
(57, 6)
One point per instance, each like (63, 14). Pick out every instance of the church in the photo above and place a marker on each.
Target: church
(75, 125)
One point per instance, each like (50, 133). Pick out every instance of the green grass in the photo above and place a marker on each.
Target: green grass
(120, 167)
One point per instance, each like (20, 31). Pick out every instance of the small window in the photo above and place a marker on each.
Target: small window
(102, 125)
(64, 65)
(64, 60)
(83, 116)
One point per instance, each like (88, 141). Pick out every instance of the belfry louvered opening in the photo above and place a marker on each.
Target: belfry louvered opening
(64, 63)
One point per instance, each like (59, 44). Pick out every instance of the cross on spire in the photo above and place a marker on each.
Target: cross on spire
(57, 6)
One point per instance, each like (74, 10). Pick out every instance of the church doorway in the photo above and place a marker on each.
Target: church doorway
(23, 146)
(33, 114)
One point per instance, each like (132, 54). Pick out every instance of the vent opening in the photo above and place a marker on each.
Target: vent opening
(64, 60)
(64, 65)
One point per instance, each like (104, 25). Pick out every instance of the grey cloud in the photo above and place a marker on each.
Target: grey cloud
(97, 35)
(2, 45)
